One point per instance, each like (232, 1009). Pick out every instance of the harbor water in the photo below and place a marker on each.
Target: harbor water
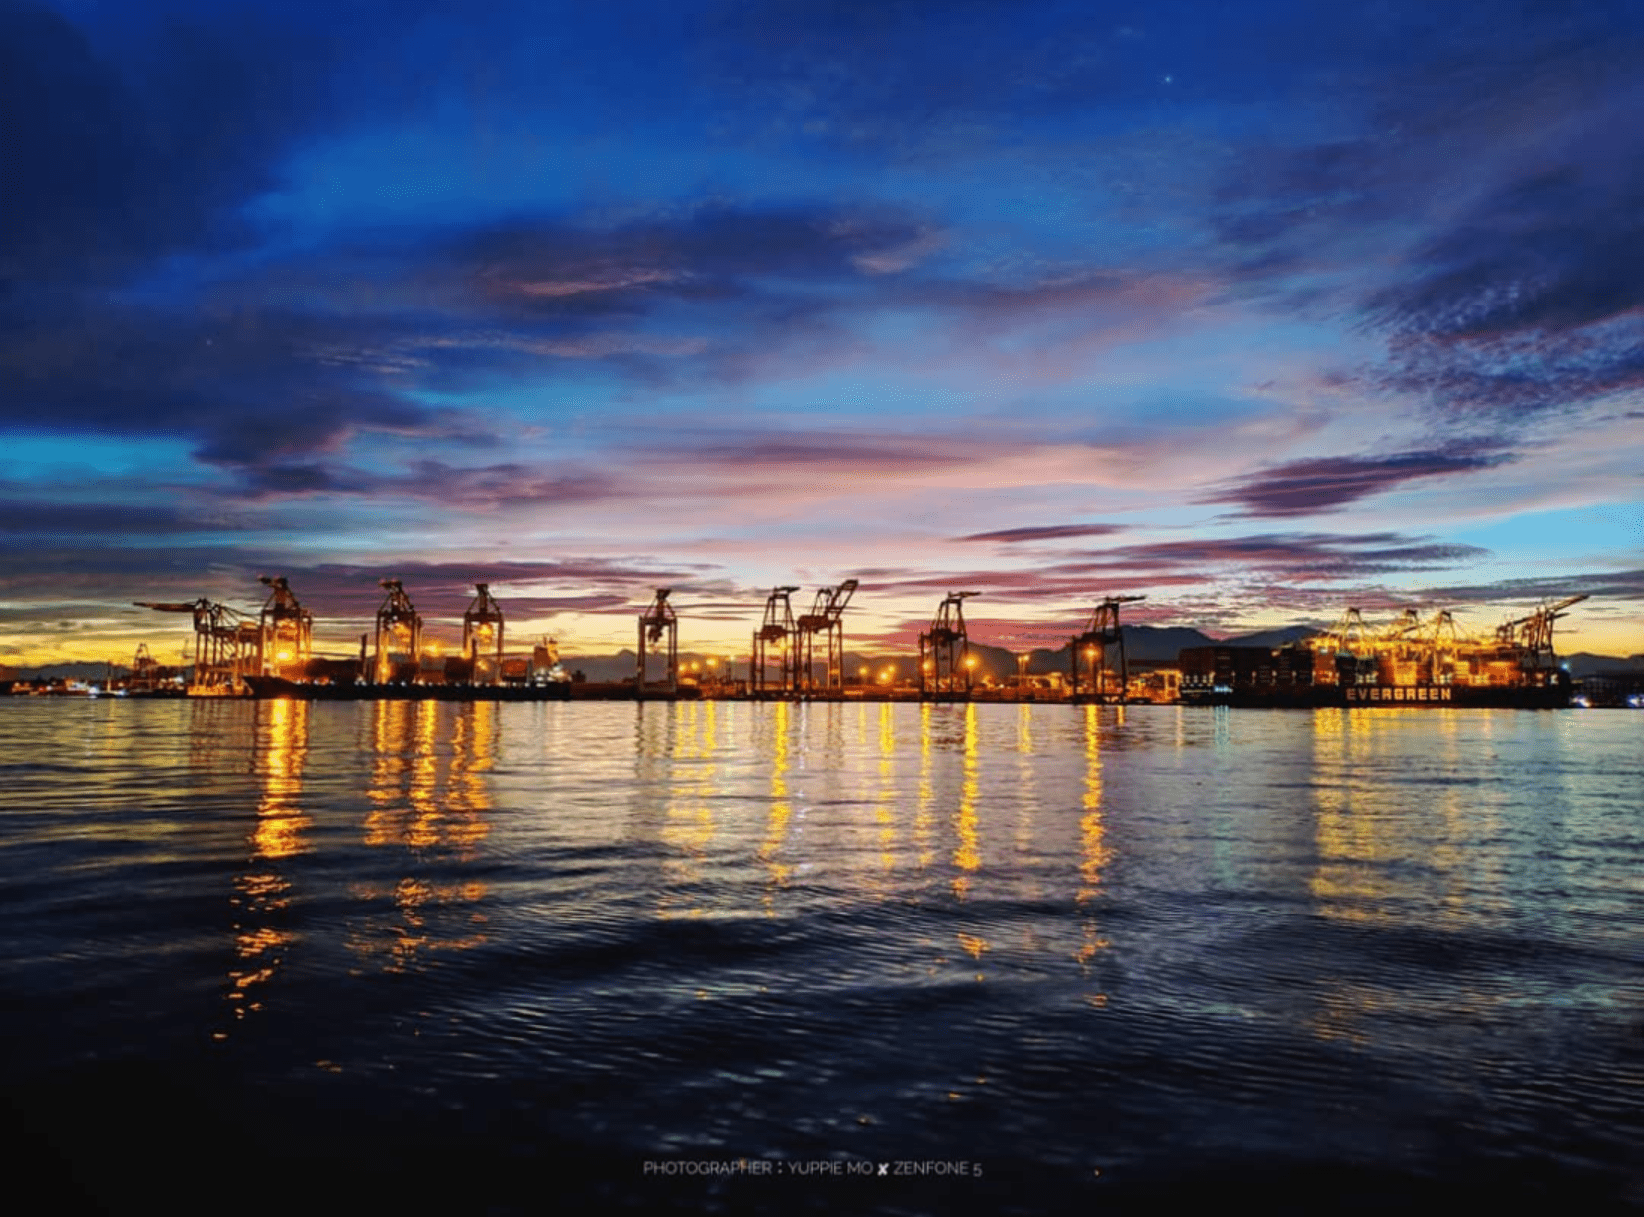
(864, 958)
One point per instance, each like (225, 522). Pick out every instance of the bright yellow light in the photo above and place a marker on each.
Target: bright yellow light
(283, 656)
(970, 661)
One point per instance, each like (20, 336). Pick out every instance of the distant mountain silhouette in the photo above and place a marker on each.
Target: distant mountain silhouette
(1585, 663)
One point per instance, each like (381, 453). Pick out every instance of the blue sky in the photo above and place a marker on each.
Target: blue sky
(1261, 310)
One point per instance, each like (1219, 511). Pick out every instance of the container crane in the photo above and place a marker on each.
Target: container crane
(1533, 634)
(227, 644)
(287, 629)
(657, 622)
(825, 620)
(482, 637)
(776, 630)
(398, 636)
(944, 650)
(1102, 632)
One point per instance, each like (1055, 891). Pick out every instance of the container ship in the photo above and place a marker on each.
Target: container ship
(1407, 663)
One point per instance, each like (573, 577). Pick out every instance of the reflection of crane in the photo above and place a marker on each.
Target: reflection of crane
(287, 629)
(777, 628)
(1102, 631)
(399, 635)
(1534, 633)
(227, 644)
(944, 650)
(655, 623)
(482, 636)
(826, 618)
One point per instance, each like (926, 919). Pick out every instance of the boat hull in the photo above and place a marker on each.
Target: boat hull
(1399, 697)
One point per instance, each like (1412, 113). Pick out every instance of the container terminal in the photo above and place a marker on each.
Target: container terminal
(800, 656)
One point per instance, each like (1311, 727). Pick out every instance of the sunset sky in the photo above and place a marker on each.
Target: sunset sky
(1259, 309)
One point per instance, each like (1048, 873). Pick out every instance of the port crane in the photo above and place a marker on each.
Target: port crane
(287, 629)
(657, 622)
(227, 643)
(398, 636)
(1534, 633)
(944, 650)
(825, 620)
(482, 636)
(1101, 633)
(775, 631)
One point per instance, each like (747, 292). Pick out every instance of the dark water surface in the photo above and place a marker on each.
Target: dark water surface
(524, 958)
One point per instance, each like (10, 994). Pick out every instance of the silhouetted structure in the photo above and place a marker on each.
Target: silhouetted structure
(655, 623)
(482, 637)
(1090, 679)
(287, 630)
(775, 632)
(227, 644)
(944, 651)
(825, 621)
(398, 635)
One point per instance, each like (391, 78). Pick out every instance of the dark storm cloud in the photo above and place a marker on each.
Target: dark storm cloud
(1048, 533)
(1326, 483)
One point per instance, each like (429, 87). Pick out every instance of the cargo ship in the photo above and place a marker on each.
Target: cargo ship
(1409, 663)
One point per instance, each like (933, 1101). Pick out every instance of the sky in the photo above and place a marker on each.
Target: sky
(1258, 310)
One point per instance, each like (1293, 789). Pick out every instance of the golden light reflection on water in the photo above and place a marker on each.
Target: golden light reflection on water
(427, 793)
(884, 811)
(688, 817)
(967, 854)
(777, 870)
(263, 893)
(923, 809)
(1358, 822)
(430, 799)
(1027, 793)
(1394, 851)
(1094, 853)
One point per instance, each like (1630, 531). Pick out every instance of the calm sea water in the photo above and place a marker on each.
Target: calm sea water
(510, 958)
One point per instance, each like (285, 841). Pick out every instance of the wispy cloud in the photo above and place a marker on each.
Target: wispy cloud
(1052, 532)
(1321, 484)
